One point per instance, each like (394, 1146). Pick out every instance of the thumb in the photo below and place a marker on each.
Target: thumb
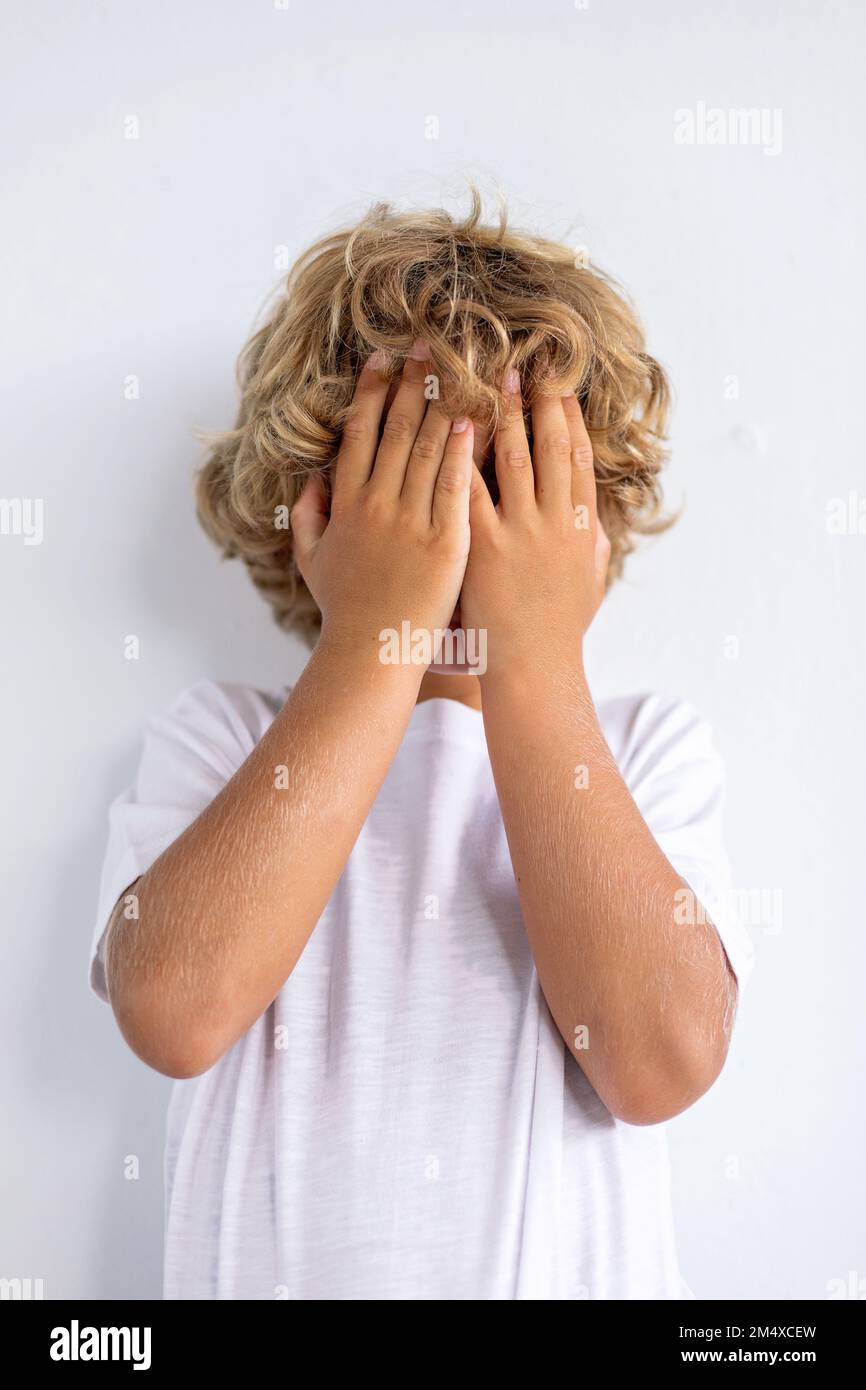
(309, 517)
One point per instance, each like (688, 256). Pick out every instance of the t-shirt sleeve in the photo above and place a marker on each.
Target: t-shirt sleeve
(676, 776)
(189, 753)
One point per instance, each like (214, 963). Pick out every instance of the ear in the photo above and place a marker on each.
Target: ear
(309, 518)
(602, 555)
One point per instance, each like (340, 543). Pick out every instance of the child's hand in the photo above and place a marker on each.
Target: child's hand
(538, 560)
(394, 547)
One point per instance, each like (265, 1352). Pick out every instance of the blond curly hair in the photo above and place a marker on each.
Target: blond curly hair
(485, 298)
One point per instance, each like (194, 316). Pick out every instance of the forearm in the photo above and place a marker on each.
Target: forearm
(226, 910)
(644, 1003)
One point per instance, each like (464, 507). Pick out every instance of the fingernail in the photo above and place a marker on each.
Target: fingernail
(458, 426)
(378, 360)
(420, 350)
(512, 381)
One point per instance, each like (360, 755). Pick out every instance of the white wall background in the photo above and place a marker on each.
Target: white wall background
(262, 127)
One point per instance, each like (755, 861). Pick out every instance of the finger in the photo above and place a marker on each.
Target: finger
(583, 488)
(482, 511)
(402, 423)
(513, 459)
(425, 461)
(451, 493)
(360, 439)
(309, 518)
(551, 453)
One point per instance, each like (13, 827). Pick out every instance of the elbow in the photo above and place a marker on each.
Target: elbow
(176, 1050)
(653, 1094)
(677, 1066)
(652, 1107)
(178, 1042)
(178, 1064)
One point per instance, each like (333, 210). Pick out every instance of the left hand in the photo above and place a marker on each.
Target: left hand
(538, 560)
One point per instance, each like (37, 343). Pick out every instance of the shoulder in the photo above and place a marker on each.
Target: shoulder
(211, 702)
(214, 721)
(667, 755)
(655, 725)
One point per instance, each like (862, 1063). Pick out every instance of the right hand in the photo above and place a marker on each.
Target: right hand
(396, 542)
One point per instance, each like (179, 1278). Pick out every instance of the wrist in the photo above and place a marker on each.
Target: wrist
(358, 659)
(542, 660)
(536, 680)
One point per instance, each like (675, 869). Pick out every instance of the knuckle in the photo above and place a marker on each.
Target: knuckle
(426, 449)
(476, 494)
(450, 479)
(581, 456)
(356, 430)
(374, 507)
(398, 427)
(415, 526)
(447, 544)
(517, 458)
(557, 445)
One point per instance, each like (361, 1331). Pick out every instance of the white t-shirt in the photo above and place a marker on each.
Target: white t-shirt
(404, 1121)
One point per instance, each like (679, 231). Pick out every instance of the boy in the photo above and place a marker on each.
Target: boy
(431, 951)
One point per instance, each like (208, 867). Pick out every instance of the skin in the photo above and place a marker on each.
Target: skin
(597, 894)
(225, 912)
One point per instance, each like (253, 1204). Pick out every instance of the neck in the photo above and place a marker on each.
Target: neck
(466, 690)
